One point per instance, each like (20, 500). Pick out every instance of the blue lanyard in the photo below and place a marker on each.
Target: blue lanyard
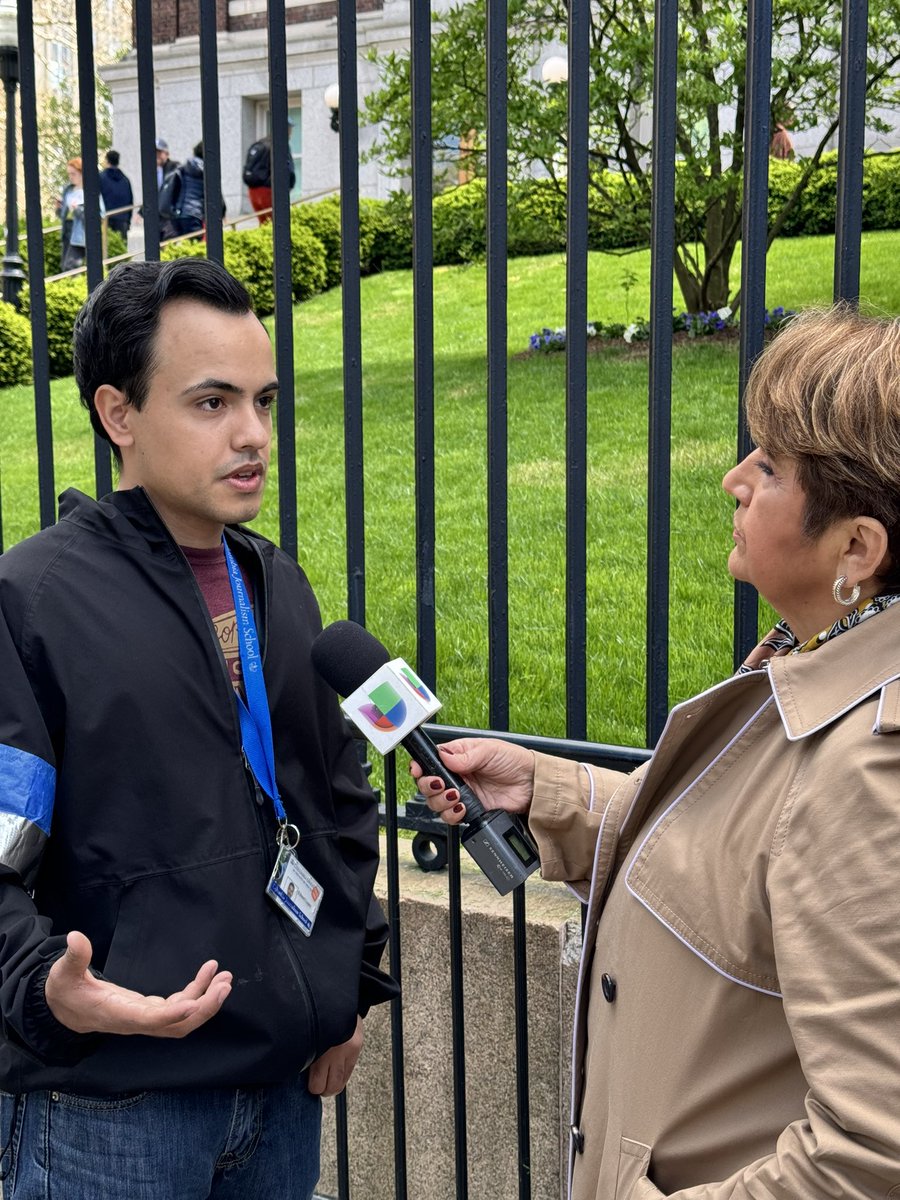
(254, 716)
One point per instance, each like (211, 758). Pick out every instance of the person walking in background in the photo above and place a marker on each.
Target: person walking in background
(165, 166)
(187, 206)
(782, 143)
(115, 188)
(70, 211)
(170, 1015)
(257, 176)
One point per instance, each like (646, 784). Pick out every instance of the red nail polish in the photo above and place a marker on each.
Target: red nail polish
(459, 808)
(435, 785)
(452, 795)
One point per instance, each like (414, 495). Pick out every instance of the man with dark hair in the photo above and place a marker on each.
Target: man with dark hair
(115, 188)
(170, 766)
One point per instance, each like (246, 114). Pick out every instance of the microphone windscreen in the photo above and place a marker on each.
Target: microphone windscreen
(346, 655)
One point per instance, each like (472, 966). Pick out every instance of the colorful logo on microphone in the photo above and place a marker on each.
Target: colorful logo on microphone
(387, 711)
(416, 684)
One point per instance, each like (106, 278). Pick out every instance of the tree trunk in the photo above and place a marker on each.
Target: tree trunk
(688, 282)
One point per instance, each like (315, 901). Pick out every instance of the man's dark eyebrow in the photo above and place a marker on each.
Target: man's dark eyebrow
(222, 385)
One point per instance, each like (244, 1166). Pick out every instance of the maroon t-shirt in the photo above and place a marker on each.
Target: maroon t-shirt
(211, 572)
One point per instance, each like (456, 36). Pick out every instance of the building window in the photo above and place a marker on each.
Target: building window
(295, 139)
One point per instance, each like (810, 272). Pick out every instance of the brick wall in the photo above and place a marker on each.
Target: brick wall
(181, 18)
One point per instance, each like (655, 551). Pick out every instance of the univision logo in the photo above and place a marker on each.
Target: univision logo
(387, 711)
(416, 684)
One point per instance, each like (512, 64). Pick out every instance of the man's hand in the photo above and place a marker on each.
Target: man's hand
(329, 1074)
(88, 1005)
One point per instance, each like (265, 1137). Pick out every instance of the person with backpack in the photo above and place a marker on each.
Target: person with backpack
(258, 176)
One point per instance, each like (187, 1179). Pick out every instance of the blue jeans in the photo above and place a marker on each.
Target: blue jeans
(208, 1144)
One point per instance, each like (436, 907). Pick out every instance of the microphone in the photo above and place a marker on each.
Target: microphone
(387, 701)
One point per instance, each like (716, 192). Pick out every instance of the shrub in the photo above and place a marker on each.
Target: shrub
(309, 272)
(323, 220)
(392, 243)
(15, 346)
(460, 233)
(250, 257)
(372, 223)
(64, 298)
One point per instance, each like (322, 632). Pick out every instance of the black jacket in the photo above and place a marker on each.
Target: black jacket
(161, 845)
(115, 188)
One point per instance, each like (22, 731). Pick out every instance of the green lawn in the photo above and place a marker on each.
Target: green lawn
(703, 446)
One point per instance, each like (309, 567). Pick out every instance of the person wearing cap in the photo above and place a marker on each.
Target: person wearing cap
(257, 175)
(165, 166)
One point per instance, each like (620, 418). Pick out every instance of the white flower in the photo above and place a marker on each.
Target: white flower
(562, 330)
(591, 330)
(724, 313)
(630, 332)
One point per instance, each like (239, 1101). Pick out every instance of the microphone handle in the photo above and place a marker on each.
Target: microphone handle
(425, 752)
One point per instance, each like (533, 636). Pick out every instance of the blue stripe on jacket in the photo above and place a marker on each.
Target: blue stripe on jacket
(27, 786)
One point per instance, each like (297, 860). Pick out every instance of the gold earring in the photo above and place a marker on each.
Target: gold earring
(836, 592)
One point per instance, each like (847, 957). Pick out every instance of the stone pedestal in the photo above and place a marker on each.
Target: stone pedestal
(553, 949)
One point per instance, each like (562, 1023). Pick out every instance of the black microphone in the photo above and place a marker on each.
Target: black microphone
(347, 657)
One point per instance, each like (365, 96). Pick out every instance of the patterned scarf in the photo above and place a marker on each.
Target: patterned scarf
(782, 638)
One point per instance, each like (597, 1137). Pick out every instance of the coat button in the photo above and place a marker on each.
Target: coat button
(577, 1138)
(608, 987)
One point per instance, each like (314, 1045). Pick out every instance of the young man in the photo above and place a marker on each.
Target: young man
(169, 763)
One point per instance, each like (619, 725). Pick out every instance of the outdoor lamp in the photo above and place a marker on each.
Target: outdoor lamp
(12, 273)
(332, 101)
(555, 70)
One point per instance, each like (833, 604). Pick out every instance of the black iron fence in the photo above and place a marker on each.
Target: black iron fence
(757, 131)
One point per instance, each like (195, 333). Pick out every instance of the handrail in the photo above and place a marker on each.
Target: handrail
(231, 223)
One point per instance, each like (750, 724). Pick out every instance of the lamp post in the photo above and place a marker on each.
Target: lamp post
(12, 273)
(333, 100)
(555, 70)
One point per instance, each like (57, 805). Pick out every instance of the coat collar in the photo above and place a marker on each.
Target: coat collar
(812, 690)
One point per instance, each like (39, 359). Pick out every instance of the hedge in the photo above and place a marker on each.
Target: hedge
(64, 298)
(15, 346)
(618, 216)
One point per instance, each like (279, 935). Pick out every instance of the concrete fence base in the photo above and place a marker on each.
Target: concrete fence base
(553, 950)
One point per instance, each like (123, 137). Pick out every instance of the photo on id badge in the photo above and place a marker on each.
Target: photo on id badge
(294, 890)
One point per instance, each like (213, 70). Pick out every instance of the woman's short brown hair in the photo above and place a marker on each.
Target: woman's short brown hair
(826, 394)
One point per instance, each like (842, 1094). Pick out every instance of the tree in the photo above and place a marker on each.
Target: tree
(710, 106)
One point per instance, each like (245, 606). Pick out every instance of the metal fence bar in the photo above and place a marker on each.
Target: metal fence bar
(423, 334)
(209, 115)
(754, 233)
(576, 369)
(342, 1140)
(43, 416)
(351, 315)
(665, 59)
(851, 148)
(497, 432)
(143, 26)
(284, 313)
(394, 950)
(87, 101)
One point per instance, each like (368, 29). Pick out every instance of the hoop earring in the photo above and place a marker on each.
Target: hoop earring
(836, 592)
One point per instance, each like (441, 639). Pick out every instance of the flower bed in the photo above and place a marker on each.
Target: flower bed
(687, 325)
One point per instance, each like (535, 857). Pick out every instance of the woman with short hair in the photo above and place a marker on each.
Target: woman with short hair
(736, 1035)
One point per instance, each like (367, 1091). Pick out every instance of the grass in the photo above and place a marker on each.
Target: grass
(703, 446)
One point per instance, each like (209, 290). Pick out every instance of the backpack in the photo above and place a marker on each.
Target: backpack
(169, 195)
(257, 168)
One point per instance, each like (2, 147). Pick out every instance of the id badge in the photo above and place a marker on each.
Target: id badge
(294, 890)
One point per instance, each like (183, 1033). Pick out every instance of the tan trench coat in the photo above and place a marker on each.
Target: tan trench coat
(738, 1024)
